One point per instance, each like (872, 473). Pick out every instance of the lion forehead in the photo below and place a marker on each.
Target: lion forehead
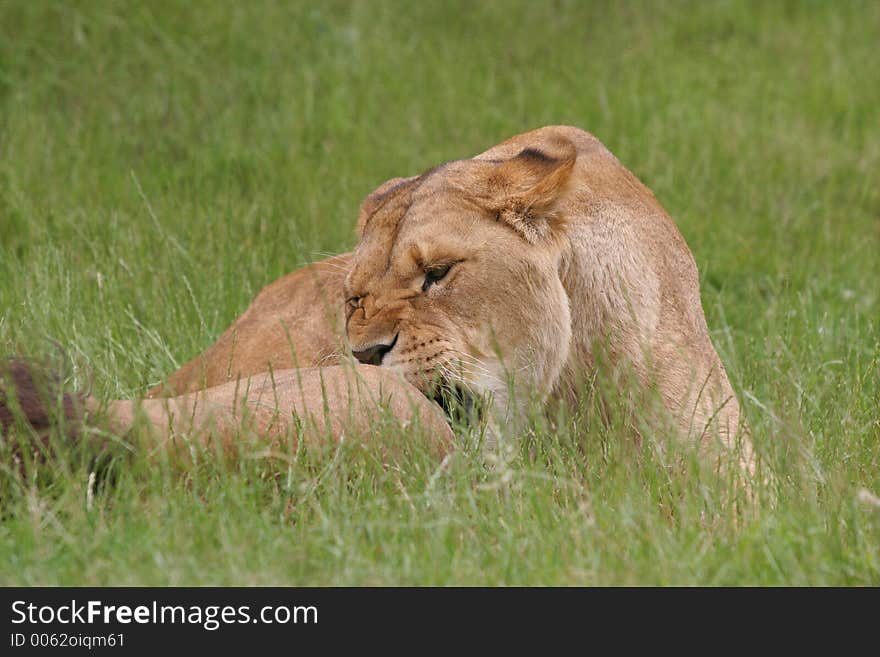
(373, 253)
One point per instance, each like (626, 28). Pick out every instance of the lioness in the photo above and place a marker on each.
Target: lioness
(527, 264)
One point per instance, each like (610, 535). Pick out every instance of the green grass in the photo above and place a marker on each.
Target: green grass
(160, 162)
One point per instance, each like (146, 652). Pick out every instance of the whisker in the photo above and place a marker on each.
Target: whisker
(331, 265)
(452, 377)
(472, 365)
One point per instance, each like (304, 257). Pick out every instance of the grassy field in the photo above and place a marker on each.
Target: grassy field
(160, 162)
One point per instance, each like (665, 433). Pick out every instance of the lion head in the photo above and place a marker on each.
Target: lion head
(455, 278)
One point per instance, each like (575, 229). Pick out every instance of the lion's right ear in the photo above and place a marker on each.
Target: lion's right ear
(378, 198)
(524, 191)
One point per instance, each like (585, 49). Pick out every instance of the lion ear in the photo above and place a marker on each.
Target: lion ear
(525, 190)
(377, 199)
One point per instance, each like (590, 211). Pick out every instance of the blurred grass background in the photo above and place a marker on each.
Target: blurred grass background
(160, 162)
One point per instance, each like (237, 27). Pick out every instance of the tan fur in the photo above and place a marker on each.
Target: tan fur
(560, 256)
(323, 402)
(293, 322)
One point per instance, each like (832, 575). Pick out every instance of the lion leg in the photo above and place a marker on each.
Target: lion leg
(314, 405)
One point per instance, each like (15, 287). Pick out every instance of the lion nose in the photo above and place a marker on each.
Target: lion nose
(374, 355)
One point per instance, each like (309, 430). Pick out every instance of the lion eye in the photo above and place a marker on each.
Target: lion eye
(434, 274)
